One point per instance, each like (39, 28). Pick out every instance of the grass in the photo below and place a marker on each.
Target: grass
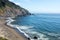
(1, 38)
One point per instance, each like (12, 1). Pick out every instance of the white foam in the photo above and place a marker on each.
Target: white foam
(28, 29)
(33, 32)
(25, 27)
(41, 36)
(16, 26)
(22, 32)
(54, 34)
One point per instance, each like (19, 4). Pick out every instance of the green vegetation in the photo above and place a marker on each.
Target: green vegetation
(11, 4)
(1, 38)
(4, 3)
(8, 8)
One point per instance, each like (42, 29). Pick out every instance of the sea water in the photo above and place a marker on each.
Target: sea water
(42, 26)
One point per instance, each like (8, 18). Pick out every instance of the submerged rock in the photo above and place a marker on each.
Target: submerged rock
(35, 37)
(28, 38)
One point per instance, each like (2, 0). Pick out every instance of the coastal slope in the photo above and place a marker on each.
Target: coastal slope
(9, 33)
(9, 9)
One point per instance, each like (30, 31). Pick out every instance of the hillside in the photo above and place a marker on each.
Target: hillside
(9, 9)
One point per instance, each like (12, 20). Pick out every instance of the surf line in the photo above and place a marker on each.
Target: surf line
(9, 20)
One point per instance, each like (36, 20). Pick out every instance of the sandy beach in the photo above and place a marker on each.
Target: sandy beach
(9, 33)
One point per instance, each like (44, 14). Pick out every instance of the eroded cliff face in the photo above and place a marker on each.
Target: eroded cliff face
(9, 9)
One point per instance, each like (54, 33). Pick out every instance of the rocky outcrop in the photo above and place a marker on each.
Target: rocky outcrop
(9, 9)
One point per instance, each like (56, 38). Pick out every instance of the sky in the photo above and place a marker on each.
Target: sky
(39, 6)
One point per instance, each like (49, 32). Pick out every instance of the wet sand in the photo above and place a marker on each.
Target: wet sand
(9, 33)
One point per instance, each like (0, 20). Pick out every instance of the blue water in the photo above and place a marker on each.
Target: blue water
(43, 26)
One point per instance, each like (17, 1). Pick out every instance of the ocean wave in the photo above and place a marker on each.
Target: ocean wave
(21, 27)
(15, 26)
(26, 30)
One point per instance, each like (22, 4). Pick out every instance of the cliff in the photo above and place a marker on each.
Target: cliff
(9, 9)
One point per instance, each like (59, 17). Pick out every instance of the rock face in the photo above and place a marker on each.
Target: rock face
(9, 9)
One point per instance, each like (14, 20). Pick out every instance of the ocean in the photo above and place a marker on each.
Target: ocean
(42, 26)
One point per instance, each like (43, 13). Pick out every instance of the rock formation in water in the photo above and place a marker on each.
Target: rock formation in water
(9, 9)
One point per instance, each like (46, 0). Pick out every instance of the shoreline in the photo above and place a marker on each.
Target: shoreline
(9, 32)
(16, 28)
